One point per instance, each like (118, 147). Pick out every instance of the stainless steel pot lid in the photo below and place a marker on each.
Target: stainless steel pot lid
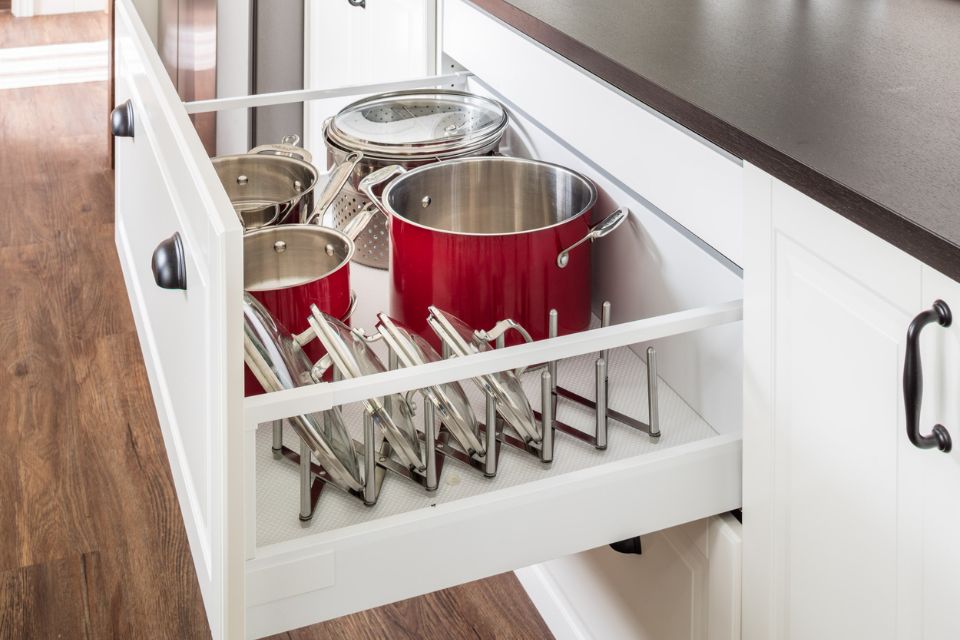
(278, 362)
(512, 402)
(417, 123)
(450, 400)
(351, 356)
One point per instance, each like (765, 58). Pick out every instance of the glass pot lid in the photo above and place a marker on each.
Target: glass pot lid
(512, 402)
(449, 398)
(278, 362)
(418, 122)
(353, 358)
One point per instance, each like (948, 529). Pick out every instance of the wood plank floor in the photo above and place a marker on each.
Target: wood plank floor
(91, 540)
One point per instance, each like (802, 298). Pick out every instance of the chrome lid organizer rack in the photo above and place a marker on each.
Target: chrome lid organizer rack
(380, 461)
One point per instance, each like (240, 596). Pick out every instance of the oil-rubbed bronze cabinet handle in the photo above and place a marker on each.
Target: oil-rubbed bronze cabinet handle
(121, 120)
(358, 3)
(169, 264)
(913, 379)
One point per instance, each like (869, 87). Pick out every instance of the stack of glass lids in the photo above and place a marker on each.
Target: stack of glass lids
(450, 400)
(353, 358)
(512, 402)
(418, 124)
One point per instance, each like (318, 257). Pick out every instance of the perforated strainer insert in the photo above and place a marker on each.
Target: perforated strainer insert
(373, 244)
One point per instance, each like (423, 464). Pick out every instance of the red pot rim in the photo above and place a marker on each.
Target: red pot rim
(385, 198)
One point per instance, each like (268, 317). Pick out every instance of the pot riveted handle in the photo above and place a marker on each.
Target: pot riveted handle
(169, 264)
(121, 120)
(286, 147)
(338, 178)
(378, 177)
(359, 222)
(913, 379)
(604, 227)
(358, 3)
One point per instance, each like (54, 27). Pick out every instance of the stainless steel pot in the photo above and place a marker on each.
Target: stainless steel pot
(276, 184)
(409, 128)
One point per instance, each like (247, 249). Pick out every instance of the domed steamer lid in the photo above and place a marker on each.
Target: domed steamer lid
(418, 123)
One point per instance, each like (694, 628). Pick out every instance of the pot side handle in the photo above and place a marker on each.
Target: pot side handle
(338, 178)
(378, 177)
(286, 147)
(599, 230)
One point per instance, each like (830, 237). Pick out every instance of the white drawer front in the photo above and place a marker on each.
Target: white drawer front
(691, 182)
(161, 189)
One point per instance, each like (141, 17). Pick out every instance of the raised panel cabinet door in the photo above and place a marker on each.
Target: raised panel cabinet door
(935, 478)
(384, 41)
(829, 532)
(179, 246)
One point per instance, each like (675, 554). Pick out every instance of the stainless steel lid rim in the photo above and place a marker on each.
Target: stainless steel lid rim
(433, 155)
(456, 102)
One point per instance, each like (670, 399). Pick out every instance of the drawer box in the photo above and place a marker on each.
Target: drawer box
(261, 571)
(692, 182)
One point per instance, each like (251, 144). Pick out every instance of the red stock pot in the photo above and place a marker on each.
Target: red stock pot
(289, 267)
(490, 238)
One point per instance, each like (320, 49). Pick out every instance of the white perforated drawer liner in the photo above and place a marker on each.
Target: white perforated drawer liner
(277, 481)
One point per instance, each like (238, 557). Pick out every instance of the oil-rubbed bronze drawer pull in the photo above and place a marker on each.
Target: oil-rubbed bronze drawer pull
(169, 264)
(913, 379)
(121, 120)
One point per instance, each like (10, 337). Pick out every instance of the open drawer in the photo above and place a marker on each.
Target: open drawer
(262, 570)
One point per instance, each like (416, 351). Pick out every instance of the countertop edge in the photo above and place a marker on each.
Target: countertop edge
(917, 241)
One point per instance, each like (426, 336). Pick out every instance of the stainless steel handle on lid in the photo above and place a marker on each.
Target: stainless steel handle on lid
(338, 179)
(599, 230)
(379, 177)
(499, 330)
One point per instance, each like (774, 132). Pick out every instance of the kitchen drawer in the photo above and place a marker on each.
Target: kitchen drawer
(263, 571)
(694, 183)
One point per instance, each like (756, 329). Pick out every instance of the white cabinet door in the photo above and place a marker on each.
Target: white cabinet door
(937, 482)
(165, 185)
(388, 40)
(345, 46)
(830, 522)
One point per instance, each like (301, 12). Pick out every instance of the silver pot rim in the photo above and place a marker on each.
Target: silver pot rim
(312, 228)
(385, 198)
(266, 157)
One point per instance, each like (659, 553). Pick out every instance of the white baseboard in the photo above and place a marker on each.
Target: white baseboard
(53, 64)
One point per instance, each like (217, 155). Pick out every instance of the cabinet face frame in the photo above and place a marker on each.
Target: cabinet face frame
(242, 577)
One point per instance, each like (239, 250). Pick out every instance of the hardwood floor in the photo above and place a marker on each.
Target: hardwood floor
(91, 540)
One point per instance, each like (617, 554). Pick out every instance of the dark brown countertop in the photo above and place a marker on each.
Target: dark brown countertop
(853, 102)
